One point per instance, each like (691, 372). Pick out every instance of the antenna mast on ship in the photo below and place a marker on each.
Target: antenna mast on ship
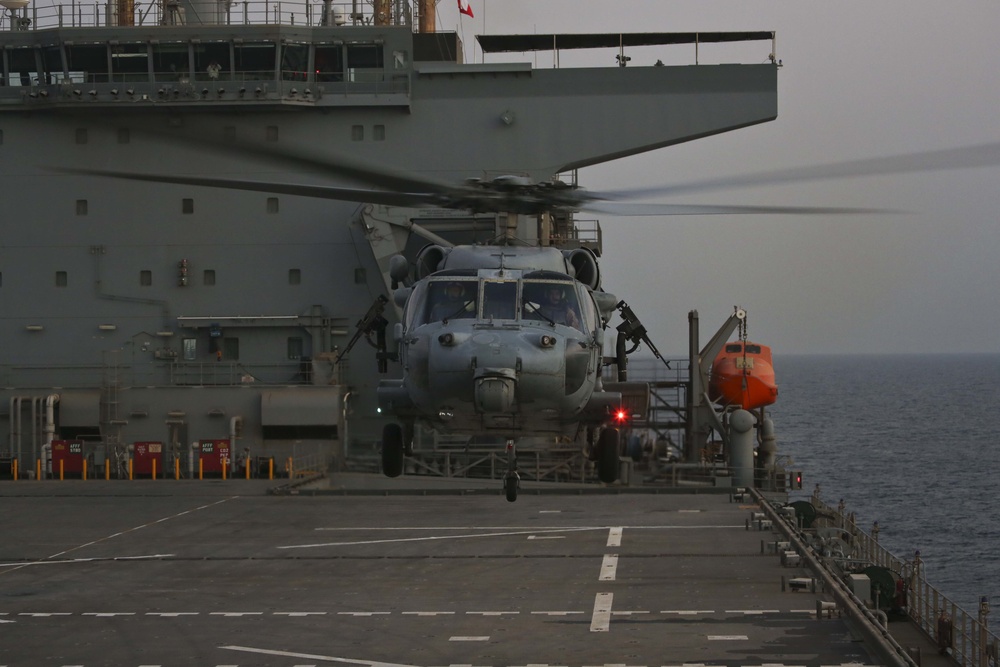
(426, 10)
(383, 12)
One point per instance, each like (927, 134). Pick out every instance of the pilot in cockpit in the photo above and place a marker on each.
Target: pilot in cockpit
(555, 307)
(452, 303)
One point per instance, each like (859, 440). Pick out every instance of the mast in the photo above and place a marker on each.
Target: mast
(428, 17)
(382, 12)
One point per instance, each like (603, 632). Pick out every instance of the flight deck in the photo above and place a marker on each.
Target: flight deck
(223, 573)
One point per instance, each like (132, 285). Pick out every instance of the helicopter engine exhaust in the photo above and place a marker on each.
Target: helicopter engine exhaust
(429, 260)
(584, 265)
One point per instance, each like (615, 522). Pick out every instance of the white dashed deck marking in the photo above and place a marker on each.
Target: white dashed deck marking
(600, 621)
(609, 568)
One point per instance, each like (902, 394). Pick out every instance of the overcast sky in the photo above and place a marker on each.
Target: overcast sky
(859, 79)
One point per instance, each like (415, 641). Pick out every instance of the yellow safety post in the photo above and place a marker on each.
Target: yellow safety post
(38, 469)
(201, 468)
(270, 468)
(83, 473)
(130, 470)
(177, 469)
(13, 469)
(154, 469)
(225, 467)
(61, 462)
(107, 469)
(246, 467)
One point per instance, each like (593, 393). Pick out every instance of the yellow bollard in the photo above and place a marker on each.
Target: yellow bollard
(177, 469)
(107, 469)
(130, 470)
(270, 468)
(13, 469)
(38, 469)
(83, 471)
(201, 469)
(246, 466)
(154, 469)
(61, 462)
(225, 467)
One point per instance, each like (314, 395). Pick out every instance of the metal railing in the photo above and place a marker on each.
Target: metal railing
(563, 465)
(972, 643)
(148, 13)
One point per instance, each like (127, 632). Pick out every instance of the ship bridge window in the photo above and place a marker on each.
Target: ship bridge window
(294, 62)
(170, 62)
(22, 66)
(364, 62)
(52, 64)
(87, 63)
(212, 61)
(329, 62)
(129, 62)
(255, 60)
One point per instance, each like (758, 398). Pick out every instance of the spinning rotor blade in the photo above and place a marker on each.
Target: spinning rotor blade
(966, 157)
(639, 209)
(360, 195)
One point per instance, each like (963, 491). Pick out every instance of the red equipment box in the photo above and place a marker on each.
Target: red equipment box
(143, 455)
(70, 453)
(214, 454)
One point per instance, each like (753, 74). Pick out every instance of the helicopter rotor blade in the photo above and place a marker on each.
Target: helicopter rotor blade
(966, 157)
(641, 209)
(360, 195)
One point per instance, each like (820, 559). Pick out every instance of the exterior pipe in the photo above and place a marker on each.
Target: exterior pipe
(34, 422)
(343, 435)
(233, 421)
(194, 455)
(867, 625)
(50, 419)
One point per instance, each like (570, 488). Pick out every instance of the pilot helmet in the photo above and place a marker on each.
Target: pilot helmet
(454, 289)
(555, 291)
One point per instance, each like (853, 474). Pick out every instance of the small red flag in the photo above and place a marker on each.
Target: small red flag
(465, 8)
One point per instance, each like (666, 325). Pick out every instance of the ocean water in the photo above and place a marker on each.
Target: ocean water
(910, 441)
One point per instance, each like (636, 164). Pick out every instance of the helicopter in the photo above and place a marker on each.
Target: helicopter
(507, 339)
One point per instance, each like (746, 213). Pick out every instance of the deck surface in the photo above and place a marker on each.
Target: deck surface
(218, 573)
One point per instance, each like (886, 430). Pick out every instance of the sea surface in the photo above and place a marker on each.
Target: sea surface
(912, 442)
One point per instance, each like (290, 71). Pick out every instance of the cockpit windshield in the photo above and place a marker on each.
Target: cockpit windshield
(499, 299)
(461, 297)
(448, 299)
(554, 302)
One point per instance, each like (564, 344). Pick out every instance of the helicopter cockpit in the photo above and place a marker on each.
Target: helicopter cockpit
(541, 297)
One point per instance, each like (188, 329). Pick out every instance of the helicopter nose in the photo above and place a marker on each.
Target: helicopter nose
(495, 393)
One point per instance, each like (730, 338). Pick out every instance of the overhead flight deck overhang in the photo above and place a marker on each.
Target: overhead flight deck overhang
(557, 42)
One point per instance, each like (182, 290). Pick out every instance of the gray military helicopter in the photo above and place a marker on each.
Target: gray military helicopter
(507, 339)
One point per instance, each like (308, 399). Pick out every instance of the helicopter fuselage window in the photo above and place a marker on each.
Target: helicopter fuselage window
(499, 300)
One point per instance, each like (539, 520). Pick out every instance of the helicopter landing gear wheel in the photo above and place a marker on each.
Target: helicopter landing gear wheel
(392, 450)
(511, 480)
(607, 455)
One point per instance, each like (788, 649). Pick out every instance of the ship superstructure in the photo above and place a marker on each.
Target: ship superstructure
(174, 314)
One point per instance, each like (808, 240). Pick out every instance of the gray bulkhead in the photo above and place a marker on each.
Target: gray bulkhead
(105, 283)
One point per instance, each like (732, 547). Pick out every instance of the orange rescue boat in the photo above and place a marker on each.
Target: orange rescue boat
(743, 375)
